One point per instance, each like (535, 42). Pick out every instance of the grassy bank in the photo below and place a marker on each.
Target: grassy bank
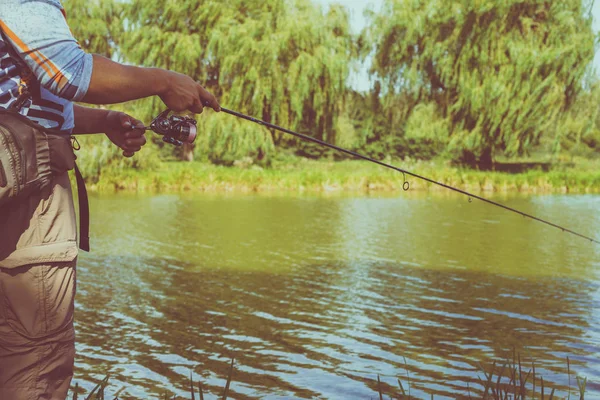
(359, 176)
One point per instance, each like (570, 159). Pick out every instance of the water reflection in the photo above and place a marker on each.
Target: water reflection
(314, 297)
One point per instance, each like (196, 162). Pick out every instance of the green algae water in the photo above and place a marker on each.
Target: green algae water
(314, 296)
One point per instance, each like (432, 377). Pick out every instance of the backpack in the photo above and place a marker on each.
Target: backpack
(30, 156)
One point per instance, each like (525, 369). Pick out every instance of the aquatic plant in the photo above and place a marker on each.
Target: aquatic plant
(510, 381)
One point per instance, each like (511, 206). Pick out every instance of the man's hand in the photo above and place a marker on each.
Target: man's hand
(182, 93)
(125, 131)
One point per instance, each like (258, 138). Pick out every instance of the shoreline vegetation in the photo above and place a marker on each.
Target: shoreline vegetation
(342, 176)
(499, 92)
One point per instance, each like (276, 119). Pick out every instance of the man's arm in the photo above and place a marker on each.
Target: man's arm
(89, 120)
(112, 82)
(39, 32)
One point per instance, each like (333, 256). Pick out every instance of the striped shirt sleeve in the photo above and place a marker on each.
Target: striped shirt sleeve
(38, 31)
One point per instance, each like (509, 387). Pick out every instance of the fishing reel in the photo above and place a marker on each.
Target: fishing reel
(175, 129)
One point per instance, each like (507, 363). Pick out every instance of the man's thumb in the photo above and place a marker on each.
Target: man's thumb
(125, 121)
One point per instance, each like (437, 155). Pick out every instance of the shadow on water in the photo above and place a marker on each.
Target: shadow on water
(314, 297)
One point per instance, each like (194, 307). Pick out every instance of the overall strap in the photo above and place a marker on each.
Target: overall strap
(84, 212)
(84, 206)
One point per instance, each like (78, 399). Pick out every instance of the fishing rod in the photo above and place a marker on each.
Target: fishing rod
(178, 130)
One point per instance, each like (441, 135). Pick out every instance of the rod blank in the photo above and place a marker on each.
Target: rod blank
(383, 164)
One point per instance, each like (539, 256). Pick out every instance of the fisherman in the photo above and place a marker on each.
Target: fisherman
(43, 71)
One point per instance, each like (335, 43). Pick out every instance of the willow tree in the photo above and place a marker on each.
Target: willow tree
(497, 73)
(579, 132)
(281, 60)
(98, 26)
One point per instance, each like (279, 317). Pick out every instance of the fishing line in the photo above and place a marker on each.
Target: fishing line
(406, 184)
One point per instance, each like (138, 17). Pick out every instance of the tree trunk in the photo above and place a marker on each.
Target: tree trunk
(486, 162)
(187, 152)
(329, 127)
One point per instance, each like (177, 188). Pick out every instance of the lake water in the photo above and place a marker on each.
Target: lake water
(314, 296)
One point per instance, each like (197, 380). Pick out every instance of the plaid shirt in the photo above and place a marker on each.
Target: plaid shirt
(38, 49)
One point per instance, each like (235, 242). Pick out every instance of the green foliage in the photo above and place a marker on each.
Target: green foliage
(501, 72)
(469, 79)
(281, 60)
(99, 156)
(579, 133)
(97, 24)
(426, 123)
(225, 139)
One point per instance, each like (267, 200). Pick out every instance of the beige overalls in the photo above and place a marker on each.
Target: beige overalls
(38, 251)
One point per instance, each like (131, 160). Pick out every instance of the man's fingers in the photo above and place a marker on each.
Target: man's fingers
(135, 133)
(208, 99)
(134, 127)
(197, 107)
(125, 120)
(131, 150)
(137, 142)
